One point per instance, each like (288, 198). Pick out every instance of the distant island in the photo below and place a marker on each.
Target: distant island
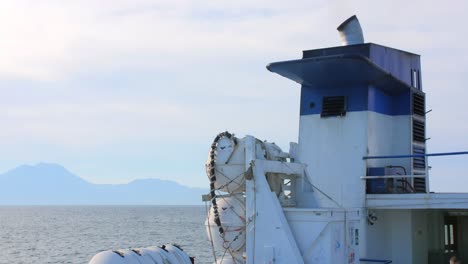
(52, 184)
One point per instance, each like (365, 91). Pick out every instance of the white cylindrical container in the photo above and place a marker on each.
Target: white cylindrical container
(124, 256)
(229, 166)
(180, 255)
(150, 255)
(155, 256)
(232, 216)
(107, 257)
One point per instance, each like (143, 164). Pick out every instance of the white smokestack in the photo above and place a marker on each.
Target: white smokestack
(351, 32)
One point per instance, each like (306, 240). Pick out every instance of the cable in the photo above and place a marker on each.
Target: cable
(322, 192)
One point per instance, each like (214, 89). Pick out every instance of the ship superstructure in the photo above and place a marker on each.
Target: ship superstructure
(353, 189)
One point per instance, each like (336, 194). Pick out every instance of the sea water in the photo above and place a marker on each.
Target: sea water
(73, 234)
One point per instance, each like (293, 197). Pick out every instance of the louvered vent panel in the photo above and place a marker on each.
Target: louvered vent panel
(418, 104)
(419, 162)
(419, 185)
(333, 106)
(418, 131)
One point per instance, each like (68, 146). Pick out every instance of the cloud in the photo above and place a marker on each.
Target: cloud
(79, 75)
(47, 40)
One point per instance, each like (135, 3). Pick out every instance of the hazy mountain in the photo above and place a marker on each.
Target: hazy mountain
(45, 184)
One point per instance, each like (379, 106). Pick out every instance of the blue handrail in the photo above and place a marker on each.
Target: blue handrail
(376, 260)
(416, 155)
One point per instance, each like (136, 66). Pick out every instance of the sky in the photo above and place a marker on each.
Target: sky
(125, 89)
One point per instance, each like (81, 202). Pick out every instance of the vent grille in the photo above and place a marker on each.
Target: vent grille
(333, 106)
(419, 185)
(419, 138)
(418, 131)
(419, 162)
(418, 104)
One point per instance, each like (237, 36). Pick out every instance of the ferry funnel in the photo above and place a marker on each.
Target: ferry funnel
(351, 32)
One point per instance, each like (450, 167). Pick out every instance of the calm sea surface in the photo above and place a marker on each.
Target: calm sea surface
(73, 234)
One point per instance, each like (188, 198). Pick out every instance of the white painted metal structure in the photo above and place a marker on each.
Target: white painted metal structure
(322, 202)
(351, 32)
(281, 222)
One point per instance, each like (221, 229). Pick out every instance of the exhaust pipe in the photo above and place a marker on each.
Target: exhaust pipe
(351, 32)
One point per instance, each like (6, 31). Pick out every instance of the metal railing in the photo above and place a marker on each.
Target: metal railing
(418, 175)
(416, 155)
(393, 176)
(375, 260)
